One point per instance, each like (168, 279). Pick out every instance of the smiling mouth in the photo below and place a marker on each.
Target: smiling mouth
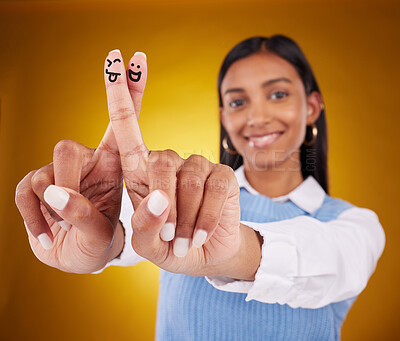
(112, 76)
(263, 141)
(134, 76)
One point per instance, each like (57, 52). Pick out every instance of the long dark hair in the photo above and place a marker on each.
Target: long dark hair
(313, 158)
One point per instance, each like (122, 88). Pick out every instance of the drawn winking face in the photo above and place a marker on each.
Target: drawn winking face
(112, 76)
(135, 76)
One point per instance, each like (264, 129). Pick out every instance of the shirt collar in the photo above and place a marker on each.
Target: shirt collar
(309, 195)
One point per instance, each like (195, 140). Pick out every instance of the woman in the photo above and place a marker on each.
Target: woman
(274, 256)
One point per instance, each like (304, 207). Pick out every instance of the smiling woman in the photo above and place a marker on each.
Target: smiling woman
(303, 256)
(264, 243)
(290, 98)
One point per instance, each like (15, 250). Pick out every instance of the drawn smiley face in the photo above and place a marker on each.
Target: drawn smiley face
(135, 76)
(112, 76)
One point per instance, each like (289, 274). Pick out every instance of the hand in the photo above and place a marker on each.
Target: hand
(91, 181)
(198, 197)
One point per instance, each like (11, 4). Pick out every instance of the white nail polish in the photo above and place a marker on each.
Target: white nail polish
(64, 225)
(167, 232)
(181, 247)
(141, 54)
(116, 50)
(56, 197)
(45, 240)
(199, 238)
(157, 203)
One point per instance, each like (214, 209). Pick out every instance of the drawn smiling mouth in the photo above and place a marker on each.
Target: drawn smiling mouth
(112, 76)
(134, 76)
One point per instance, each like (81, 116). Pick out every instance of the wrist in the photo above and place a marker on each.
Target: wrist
(246, 262)
(118, 242)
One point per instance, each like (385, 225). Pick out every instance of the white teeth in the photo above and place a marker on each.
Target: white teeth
(264, 138)
(261, 139)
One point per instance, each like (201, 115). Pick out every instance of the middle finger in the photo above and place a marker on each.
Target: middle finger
(123, 118)
(190, 189)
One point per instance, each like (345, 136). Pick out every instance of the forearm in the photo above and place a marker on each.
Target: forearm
(247, 260)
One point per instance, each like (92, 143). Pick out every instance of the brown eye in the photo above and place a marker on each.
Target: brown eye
(236, 103)
(279, 95)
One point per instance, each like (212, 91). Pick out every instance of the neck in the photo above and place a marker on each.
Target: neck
(277, 180)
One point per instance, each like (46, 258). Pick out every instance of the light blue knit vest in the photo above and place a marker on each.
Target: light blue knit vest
(190, 308)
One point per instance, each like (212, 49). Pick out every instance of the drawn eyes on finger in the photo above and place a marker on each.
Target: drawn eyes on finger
(112, 76)
(134, 76)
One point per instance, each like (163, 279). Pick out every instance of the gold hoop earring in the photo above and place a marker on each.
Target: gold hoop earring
(314, 136)
(226, 147)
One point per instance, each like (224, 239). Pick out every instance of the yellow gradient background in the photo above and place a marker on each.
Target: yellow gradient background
(51, 88)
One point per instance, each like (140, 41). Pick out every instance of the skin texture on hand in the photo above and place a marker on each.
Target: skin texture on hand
(247, 260)
(91, 179)
(200, 195)
(91, 207)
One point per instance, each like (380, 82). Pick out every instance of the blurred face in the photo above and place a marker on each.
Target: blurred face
(265, 110)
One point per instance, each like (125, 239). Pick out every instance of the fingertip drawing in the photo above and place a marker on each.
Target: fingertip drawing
(112, 76)
(135, 76)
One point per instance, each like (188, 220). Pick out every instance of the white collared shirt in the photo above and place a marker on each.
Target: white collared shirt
(335, 266)
(306, 262)
(309, 195)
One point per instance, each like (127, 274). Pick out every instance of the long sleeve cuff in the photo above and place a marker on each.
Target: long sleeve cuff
(309, 263)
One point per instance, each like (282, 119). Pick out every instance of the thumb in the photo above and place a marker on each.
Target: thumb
(147, 221)
(74, 208)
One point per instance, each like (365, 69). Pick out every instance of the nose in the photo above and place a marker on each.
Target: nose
(259, 114)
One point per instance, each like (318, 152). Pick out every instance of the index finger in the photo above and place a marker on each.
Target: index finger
(122, 114)
(136, 75)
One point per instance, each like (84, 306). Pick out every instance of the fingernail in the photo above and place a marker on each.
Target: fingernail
(199, 238)
(116, 50)
(66, 226)
(157, 203)
(181, 247)
(45, 240)
(56, 197)
(141, 53)
(167, 232)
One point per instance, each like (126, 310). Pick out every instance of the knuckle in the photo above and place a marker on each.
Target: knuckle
(32, 222)
(172, 153)
(224, 169)
(196, 158)
(162, 161)
(121, 113)
(185, 228)
(40, 180)
(22, 196)
(23, 183)
(218, 187)
(208, 220)
(191, 182)
(199, 163)
(66, 149)
(136, 153)
(229, 175)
